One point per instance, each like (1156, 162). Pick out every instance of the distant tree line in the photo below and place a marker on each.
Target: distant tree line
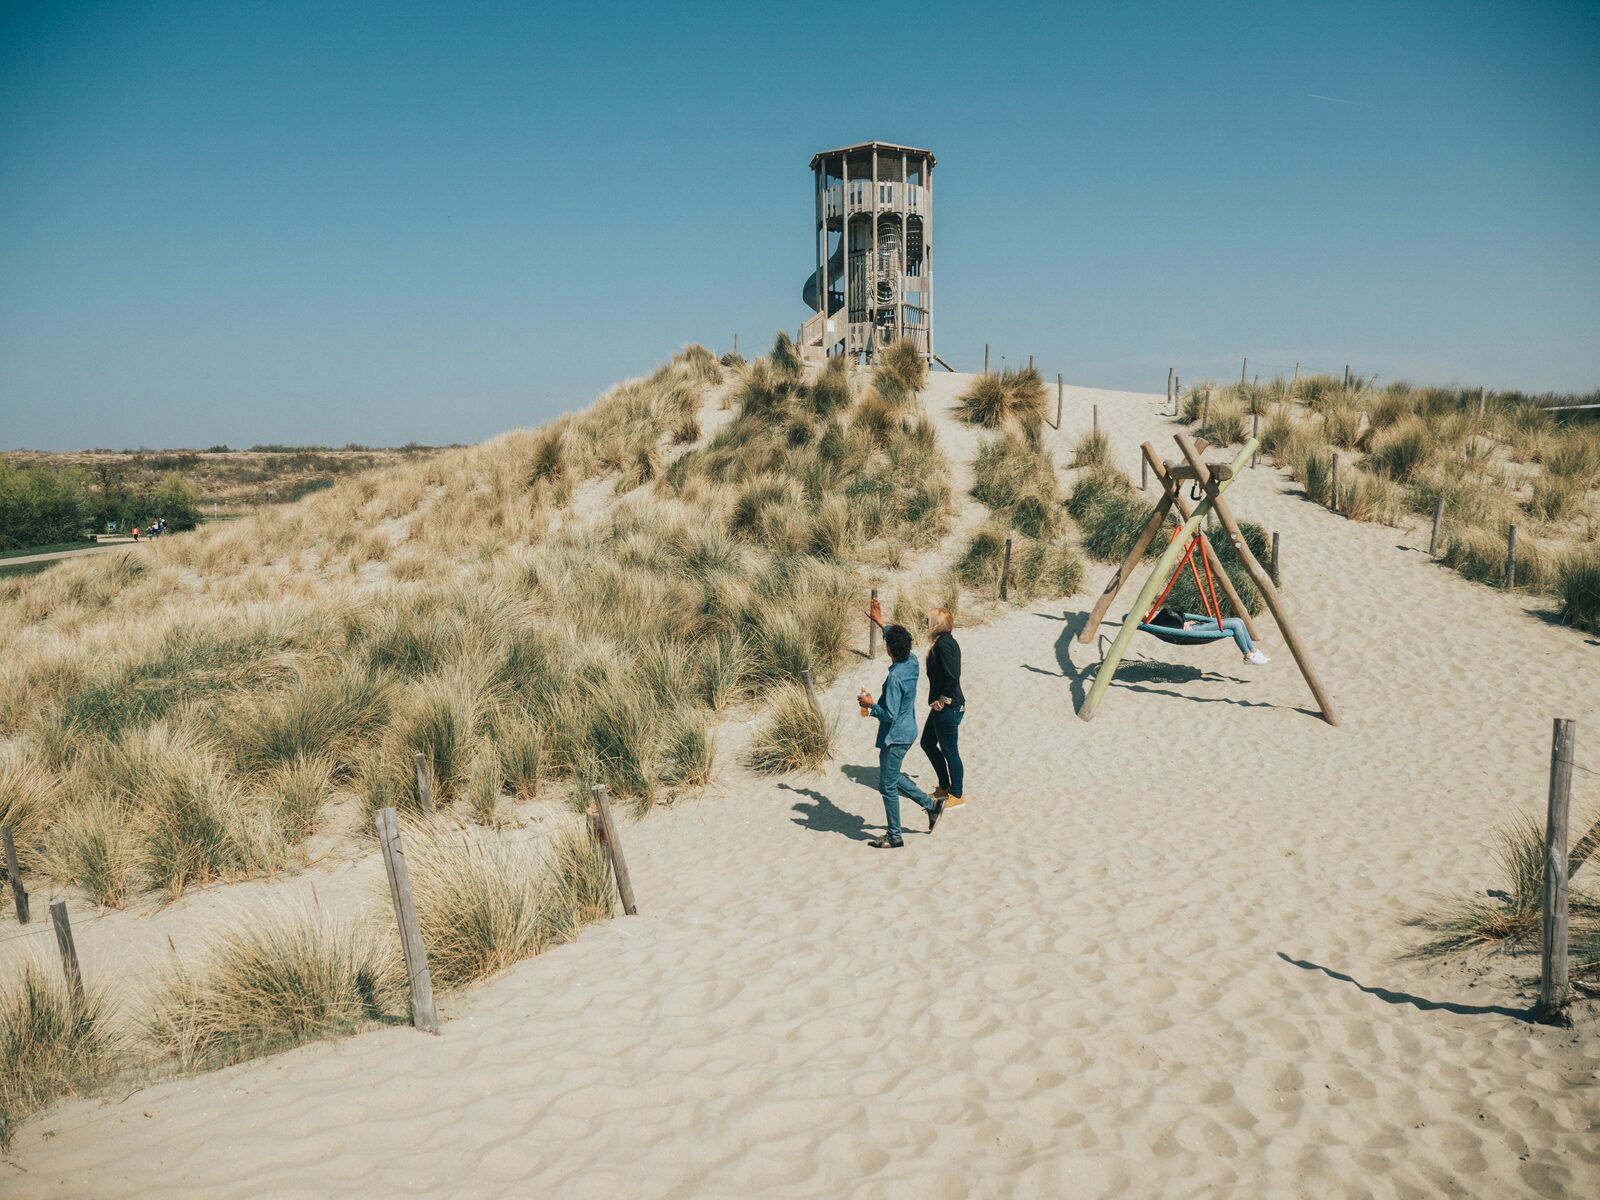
(41, 506)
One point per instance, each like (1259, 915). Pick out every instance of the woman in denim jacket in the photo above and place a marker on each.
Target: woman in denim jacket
(896, 710)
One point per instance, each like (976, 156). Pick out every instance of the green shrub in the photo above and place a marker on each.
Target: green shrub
(1578, 589)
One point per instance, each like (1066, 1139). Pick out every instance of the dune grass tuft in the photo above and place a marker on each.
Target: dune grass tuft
(48, 1047)
(1578, 589)
(793, 737)
(1093, 450)
(274, 983)
(1014, 476)
(993, 400)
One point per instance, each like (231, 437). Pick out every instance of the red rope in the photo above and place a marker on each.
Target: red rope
(1207, 590)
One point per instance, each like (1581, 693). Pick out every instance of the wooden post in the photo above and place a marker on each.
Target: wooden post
(1244, 369)
(1205, 413)
(1147, 592)
(1438, 521)
(424, 784)
(1005, 571)
(1255, 436)
(1347, 377)
(1144, 474)
(1260, 578)
(19, 894)
(811, 695)
(1030, 362)
(1177, 393)
(1169, 384)
(423, 1014)
(1277, 572)
(1511, 556)
(69, 952)
(619, 865)
(1553, 985)
(1097, 418)
(986, 358)
(1061, 388)
(736, 343)
(1296, 375)
(1333, 495)
(872, 633)
(1483, 400)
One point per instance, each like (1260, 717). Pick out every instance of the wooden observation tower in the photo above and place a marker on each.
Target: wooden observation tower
(873, 282)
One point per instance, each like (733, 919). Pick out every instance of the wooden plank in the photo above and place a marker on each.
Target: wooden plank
(19, 894)
(1554, 989)
(1262, 580)
(1182, 471)
(1147, 594)
(619, 865)
(69, 951)
(423, 1014)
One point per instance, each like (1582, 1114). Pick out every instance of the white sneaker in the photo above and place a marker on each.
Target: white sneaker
(1255, 656)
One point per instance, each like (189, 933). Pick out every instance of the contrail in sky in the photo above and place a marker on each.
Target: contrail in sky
(1332, 99)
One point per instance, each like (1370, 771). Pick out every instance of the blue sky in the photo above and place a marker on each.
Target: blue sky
(342, 222)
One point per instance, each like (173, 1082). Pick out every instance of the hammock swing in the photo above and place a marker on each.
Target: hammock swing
(1208, 625)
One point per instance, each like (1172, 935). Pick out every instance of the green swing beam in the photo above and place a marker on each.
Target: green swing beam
(1164, 567)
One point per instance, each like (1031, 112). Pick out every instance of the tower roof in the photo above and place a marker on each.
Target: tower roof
(816, 158)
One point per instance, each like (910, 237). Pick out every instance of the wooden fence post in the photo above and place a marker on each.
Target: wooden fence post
(1061, 388)
(1005, 571)
(1177, 394)
(736, 343)
(1438, 520)
(1511, 556)
(19, 894)
(423, 1014)
(1242, 370)
(1030, 362)
(1553, 987)
(69, 952)
(1255, 434)
(1483, 400)
(1169, 384)
(1144, 473)
(811, 695)
(986, 358)
(872, 633)
(1347, 377)
(424, 784)
(1097, 418)
(619, 865)
(1205, 413)
(1333, 497)
(1276, 572)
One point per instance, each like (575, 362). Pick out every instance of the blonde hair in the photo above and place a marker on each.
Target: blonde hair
(940, 621)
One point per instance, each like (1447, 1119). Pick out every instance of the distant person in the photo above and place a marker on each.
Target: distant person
(136, 533)
(1233, 626)
(947, 704)
(896, 710)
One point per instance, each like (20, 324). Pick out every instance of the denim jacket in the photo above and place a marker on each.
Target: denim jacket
(896, 708)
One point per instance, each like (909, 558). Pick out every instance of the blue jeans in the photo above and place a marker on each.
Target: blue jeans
(1241, 635)
(892, 782)
(940, 744)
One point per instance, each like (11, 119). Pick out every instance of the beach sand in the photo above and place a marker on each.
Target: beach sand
(1154, 955)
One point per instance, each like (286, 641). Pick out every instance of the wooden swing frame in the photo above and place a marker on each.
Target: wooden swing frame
(1213, 480)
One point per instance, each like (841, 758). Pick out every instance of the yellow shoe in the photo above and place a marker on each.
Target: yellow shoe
(954, 801)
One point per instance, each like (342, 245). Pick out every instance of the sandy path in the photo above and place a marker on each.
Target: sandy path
(24, 559)
(1155, 956)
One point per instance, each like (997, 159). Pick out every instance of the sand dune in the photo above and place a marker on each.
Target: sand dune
(1154, 956)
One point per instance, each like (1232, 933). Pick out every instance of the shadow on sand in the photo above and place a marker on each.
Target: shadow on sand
(1391, 997)
(819, 813)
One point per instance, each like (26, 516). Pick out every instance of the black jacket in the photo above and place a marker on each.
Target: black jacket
(944, 670)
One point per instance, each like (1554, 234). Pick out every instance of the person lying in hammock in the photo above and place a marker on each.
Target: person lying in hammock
(1169, 619)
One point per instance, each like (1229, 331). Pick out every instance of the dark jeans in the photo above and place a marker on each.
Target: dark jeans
(941, 743)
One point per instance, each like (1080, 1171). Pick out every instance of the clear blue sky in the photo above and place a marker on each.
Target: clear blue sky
(235, 222)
